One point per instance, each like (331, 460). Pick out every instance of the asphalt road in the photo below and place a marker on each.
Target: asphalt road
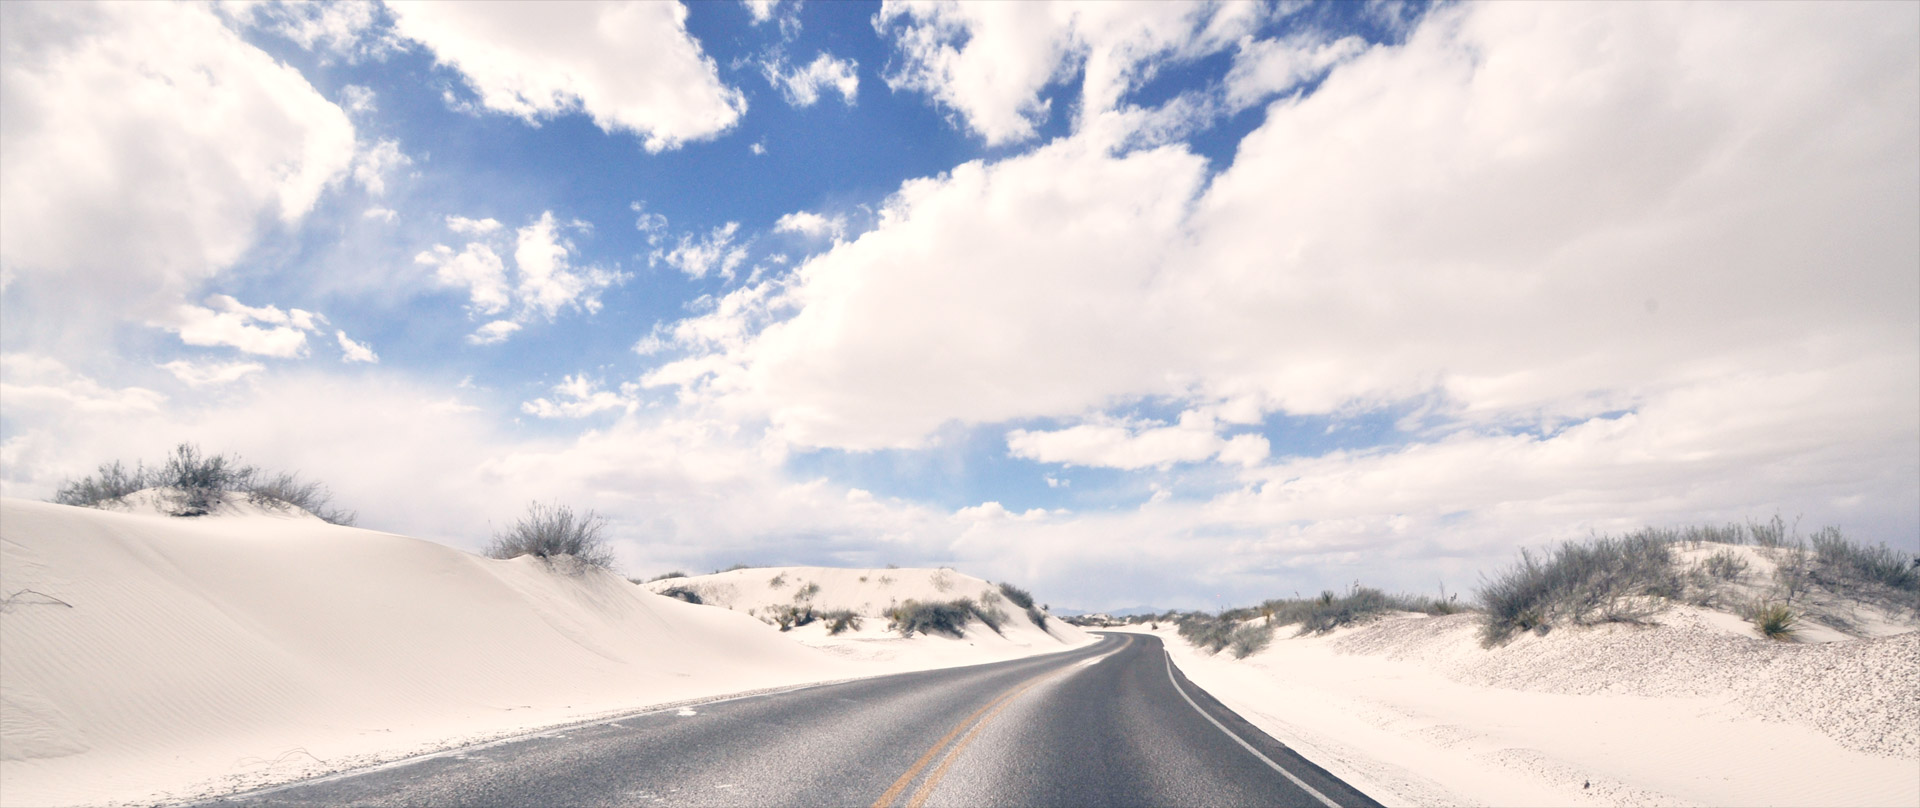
(1111, 724)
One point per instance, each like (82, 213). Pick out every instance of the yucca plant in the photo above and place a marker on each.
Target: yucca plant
(1775, 621)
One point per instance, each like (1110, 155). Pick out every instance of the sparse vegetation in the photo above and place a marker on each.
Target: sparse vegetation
(943, 617)
(193, 483)
(1604, 580)
(549, 531)
(665, 576)
(1023, 599)
(1726, 565)
(1628, 578)
(777, 581)
(1839, 563)
(840, 620)
(806, 593)
(1249, 639)
(788, 617)
(684, 593)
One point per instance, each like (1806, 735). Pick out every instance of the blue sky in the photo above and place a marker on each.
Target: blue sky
(1182, 304)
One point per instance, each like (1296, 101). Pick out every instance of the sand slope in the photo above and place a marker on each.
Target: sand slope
(143, 657)
(758, 591)
(1691, 711)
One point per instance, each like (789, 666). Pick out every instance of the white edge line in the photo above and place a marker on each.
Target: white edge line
(1237, 739)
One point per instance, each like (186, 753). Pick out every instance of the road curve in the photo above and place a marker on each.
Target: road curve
(1109, 724)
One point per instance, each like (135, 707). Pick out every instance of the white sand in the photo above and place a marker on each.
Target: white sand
(1693, 711)
(146, 658)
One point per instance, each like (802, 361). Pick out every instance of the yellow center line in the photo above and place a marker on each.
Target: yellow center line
(926, 788)
(900, 785)
(1001, 701)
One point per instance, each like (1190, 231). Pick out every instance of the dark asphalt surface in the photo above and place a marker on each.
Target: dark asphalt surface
(1103, 725)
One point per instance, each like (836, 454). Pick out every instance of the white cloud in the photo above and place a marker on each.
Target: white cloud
(630, 66)
(472, 227)
(358, 99)
(144, 147)
(544, 278)
(801, 86)
(351, 351)
(477, 268)
(548, 281)
(1263, 68)
(1136, 445)
(493, 333)
(336, 30)
(383, 214)
(757, 147)
(37, 384)
(991, 61)
(812, 225)
(264, 330)
(760, 10)
(716, 253)
(372, 164)
(1744, 222)
(210, 374)
(578, 397)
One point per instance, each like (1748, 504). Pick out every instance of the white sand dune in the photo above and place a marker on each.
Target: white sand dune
(758, 591)
(145, 658)
(1692, 711)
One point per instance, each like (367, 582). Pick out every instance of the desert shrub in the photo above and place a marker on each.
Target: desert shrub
(806, 592)
(1023, 599)
(788, 617)
(283, 490)
(684, 593)
(840, 620)
(1775, 621)
(927, 617)
(195, 482)
(1602, 580)
(666, 575)
(547, 531)
(1726, 565)
(734, 567)
(1211, 633)
(777, 581)
(110, 484)
(1249, 639)
(1841, 563)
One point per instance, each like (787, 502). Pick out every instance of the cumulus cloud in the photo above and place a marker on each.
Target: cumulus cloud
(544, 278)
(210, 374)
(146, 143)
(990, 62)
(1410, 232)
(548, 279)
(351, 351)
(345, 30)
(1263, 68)
(374, 162)
(715, 253)
(802, 86)
(630, 66)
(476, 268)
(493, 333)
(1127, 444)
(37, 384)
(812, 225)
(578, 397)
(263, 330)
